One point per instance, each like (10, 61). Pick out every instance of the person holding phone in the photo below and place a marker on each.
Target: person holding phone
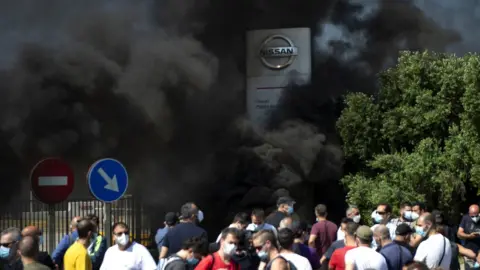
(469, 229)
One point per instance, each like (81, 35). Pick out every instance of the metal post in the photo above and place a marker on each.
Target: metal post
(31, 203)
(51, 228)
(108, 223)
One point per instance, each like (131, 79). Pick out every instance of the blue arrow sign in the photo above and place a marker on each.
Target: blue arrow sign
(107, 179)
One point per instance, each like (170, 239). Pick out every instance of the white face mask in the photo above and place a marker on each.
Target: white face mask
(122, 240)
(357, 218)
(475, 219)
(229, 249)
(200, 215)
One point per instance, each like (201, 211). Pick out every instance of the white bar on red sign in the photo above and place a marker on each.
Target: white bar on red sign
(48, 181)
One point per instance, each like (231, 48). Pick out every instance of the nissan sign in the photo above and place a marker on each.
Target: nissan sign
(268, 53)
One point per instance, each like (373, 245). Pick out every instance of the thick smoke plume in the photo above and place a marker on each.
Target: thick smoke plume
(159, 85)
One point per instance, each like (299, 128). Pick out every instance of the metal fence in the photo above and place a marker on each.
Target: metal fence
(24, 213)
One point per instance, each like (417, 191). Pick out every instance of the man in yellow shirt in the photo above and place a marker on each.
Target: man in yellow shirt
(76, 257)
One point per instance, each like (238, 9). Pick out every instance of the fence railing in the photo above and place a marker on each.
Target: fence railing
(32, 212)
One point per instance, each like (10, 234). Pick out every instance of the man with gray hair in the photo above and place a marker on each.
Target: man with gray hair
(395, 255)
(354, 214)
(28, 250)
(8, 247)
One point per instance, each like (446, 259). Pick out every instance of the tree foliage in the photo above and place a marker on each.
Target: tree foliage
(418, 137)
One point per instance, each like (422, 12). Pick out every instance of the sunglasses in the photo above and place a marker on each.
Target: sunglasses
(381, 213)
(6, 244)
(120, 233)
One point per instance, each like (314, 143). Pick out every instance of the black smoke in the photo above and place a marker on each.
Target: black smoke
(159, 85)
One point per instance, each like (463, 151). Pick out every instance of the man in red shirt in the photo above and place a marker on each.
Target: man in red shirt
(323, 233)
(222, 259)
(337, 261)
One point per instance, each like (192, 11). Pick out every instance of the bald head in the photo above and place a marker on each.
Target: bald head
(382, 232)
(473, 210)
(31, 230)
(28, 247)
(286, 223)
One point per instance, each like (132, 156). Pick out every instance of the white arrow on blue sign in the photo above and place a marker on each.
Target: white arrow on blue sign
(107, 179)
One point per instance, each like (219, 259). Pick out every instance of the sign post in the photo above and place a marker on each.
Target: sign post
(108, 181)
(51, 181)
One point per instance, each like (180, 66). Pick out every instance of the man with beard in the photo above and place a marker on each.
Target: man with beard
(126, 254)
(435, 249)
(469, 229)
(266, 246)
(222, 259)
(76, 257)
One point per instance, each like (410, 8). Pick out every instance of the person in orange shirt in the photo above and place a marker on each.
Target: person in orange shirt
(76, 257)
(222, 259)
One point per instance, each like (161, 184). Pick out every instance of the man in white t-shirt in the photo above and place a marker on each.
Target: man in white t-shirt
(240, 222)
(286, 238)
(435, 251)
(258, 222)
(363, 257)
(126, 254)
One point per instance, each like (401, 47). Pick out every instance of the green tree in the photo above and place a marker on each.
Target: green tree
(418, 137)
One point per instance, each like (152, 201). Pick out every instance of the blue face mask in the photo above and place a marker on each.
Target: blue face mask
(192, 261)
(378, 219)
(290, 210)
(4, 252)
(420, 231)
(262, 255)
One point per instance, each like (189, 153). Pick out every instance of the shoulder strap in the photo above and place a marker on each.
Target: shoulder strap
(443, 251)
(167, 261)
(386, 261)
(400, 258)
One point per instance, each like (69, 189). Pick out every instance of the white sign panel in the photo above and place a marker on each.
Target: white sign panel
(272, 55)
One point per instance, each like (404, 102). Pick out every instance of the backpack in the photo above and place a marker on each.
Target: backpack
(162, 263)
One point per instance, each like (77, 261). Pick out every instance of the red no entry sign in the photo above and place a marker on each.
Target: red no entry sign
(52, 180)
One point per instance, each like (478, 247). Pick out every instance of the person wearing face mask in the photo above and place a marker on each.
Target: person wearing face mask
(240, 221)
(76, 257)
(286, 239)
(42, 256)
(190, 215)
(323, 233)
(187, 257)
(435, 249)
(384, 216)
(363, 257)
(407, 216)
(268, 250)
(245, 256)
(284, 209)
(353, 213)
(222, 259)
(126, 254)
(258, 222)
(8, 248)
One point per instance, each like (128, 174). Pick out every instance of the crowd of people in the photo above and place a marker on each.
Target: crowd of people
(415, 239)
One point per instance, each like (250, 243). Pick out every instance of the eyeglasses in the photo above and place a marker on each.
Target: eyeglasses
(120, 233)
(6, 244)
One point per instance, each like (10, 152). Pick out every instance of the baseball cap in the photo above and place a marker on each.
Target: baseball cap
(285, 200)
(403, 229)
(171, 218)
(364, 233)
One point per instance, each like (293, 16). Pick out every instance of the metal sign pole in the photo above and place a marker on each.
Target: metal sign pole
(51, 228)
(108, 223)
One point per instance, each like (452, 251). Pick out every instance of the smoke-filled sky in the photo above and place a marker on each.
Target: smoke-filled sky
(159, 84)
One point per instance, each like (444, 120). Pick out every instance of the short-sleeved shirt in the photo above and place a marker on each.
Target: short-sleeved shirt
(160, 235)
(396, 256)
(76, 258)
(336, 245)
(337, 261)
(35, 266)
(365, 258)
(181, 232)
(176, 264)
(435, 251)
(135, 257)
(214, 261)
(468, 227)
(326, 232)
(275, 218)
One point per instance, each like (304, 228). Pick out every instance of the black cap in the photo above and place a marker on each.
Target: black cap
(171, 218)
(404, 229)
(285, 200)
